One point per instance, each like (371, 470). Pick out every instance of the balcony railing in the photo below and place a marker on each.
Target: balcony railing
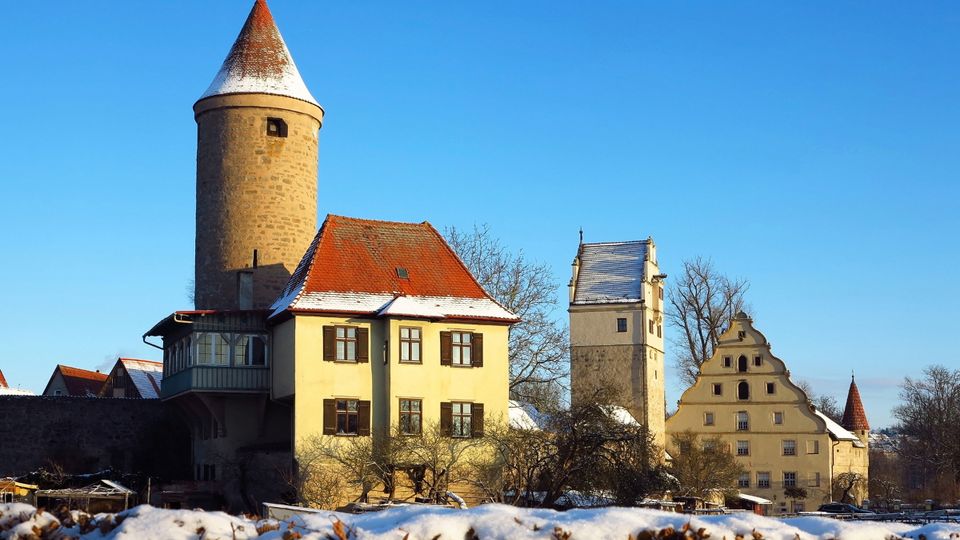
(216, 379)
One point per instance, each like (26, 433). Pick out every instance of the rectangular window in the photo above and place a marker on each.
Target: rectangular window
(650, 324)
(709, 445)
(815, 480)
(410, 345)
(743, 421)
(659, 330)
(743, 448)
(348, 417)
(410, 418)
(461, 420)
(763, 479)
(346, 343)
(789, 479)
(778, 418)
(717, 389)
(790, 447)
(758, 361)
(221, 349)
(744, 480)
(813, 446)
(621, 325)
(660, 292)
(708, 419)
(741, 335)
(461, 348)
(771, 388)
(726, 361)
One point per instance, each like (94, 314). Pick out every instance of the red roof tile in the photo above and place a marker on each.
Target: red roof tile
(360, 256)
(854, 417)
(81, 382)
(3, 381)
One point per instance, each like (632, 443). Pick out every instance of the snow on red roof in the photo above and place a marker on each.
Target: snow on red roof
(81, 382)
(854, 417)
(259, 62)
(146, 375)
(360, 265)
(3, 381)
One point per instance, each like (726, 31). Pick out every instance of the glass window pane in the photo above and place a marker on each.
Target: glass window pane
(404, 351)
(341, 354)
(456, 337)
(415, 405)
(415, 351)
(466, 355)
(351, 350)
(351, 332)
(404, 333)
(340, 331)
(415, 333)
(466, 337)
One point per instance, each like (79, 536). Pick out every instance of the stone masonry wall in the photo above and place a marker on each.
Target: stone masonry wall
(619, 368)
(253, 192)
(85, 435)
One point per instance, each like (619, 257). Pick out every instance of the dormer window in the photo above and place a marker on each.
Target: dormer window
(402, 273)
(276, 127)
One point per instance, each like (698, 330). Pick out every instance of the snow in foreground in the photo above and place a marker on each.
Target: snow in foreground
(21, 522)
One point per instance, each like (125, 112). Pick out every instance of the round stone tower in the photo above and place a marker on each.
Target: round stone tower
(257, 130)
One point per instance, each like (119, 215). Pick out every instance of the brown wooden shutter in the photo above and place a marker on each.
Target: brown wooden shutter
(329, 417)
(476, 358)
(476, 420)
(446, 419)
(329, 343)
(363, 344)
(446, 348)
(363, 417)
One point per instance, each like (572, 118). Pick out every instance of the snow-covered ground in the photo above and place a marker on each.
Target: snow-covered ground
(19, 522)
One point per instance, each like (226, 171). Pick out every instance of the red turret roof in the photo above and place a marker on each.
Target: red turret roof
(259, 62)
(386, 268)
(854, 417)
(3, 381)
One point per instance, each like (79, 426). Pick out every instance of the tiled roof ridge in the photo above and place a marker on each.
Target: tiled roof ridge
(854, 416)
(71, 371)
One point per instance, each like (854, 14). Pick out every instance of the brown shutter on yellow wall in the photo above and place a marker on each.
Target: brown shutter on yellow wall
(363, 417)
(329, 343)
(363, 345)
(476, 359)
(476, 420)
(446, 419)
(446, 349)
(329, 417)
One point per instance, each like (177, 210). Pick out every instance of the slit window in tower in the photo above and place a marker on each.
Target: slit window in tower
(621, 324)
(276, 127)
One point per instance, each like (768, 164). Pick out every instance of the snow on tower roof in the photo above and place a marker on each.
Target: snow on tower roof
(259, 62)
(610, 272)
(854, 417)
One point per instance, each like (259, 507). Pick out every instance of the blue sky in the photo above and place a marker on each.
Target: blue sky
(811, 148)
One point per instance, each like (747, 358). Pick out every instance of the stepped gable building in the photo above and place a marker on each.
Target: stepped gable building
(76, 382)
(360, 327)
(133, 378)
(616, 327)
(792, 453)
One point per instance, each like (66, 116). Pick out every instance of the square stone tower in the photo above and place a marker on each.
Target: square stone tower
(616, 328)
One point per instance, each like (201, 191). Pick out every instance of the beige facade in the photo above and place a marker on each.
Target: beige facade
(617, 328)
(745, 397)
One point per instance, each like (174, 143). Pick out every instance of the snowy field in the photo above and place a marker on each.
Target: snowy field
(21, 522)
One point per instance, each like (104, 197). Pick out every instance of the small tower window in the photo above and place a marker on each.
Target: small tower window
(276, 127)
(621, 324)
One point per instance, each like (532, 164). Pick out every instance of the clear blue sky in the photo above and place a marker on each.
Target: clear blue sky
(809, 147)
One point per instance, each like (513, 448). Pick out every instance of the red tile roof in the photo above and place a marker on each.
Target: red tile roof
(365, 257)
(3, 381)
(81, 382)
(854, 417)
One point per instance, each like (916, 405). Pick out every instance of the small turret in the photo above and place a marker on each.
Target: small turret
(854, 417)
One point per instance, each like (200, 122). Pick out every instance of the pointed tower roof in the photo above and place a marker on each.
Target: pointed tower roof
(259, 62)
(854, 417)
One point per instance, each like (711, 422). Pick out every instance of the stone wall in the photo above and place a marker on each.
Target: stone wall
(254, 192)
(85, 435)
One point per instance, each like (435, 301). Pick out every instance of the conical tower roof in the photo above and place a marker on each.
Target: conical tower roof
(854, 417)
(259, 62)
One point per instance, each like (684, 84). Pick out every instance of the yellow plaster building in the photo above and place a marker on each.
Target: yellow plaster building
(745, 397)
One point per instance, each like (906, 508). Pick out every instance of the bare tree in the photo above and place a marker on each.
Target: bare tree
(538, 343)
(702, 302)
(702, 466)
(929, 415)
(434, 461)
(824, 403)
(846, 486)
(329, 466)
